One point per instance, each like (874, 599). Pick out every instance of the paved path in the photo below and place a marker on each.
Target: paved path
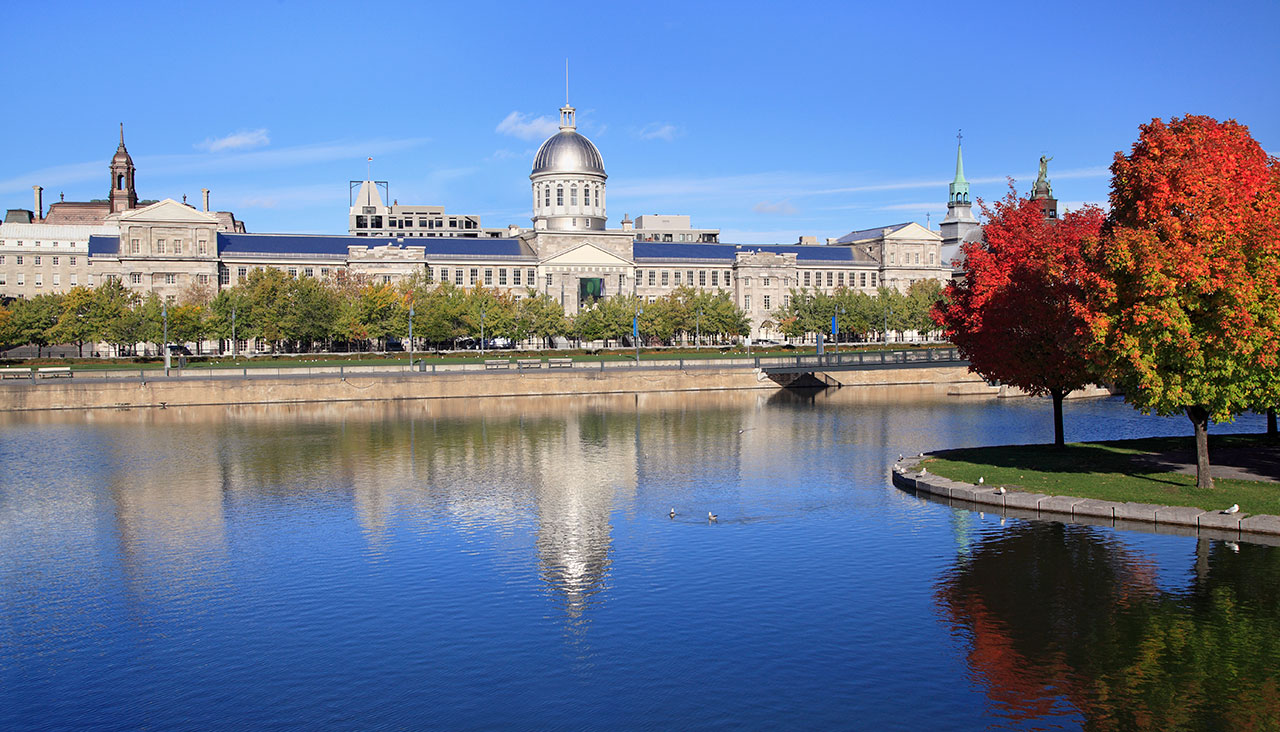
(1233, 463)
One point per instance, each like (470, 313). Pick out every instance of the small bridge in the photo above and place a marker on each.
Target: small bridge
(812, 370)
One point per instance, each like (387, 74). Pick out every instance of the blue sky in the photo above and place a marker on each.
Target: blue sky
(766, 120)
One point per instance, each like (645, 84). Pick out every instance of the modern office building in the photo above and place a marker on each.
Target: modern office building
(569, 253)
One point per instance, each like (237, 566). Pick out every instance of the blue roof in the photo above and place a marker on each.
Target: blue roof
(664, 250)
(318, 244)
(99, 245)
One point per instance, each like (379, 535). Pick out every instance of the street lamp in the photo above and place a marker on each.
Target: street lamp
(164, 313)
(635, 330)
(411, 335)
(233, 331)
(482, 308)
(697, 338)
(887, 312)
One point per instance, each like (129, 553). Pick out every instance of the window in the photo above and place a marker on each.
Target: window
(873, 279)
(664, 278)
(386, 279)
(21, 279)
(2, 278)
(488, 277)
(224, 276)
(203, 279)
(293, 272)
(622, 283)
(57, 279)
(746, 302)
(546, 197)
(702, 278)
(362, 222)
(37, 260)
(715, 278)
(515, 276)
(766, 302)
(766, 281)
(75, 280)
(559, 195)
(548, 280)
(597, 196)
(135, 278)
(324, 271)
(242, 273)
(475, 274)
(573, 195)
(726, 278)
(308, 272)
(90, 281)
(653, 276)
(676, 277)
(202, 247)
(444, 274)
(531, 278)
(19, 258)
(177, 246)
(890, 257)
(170, 278)
(806, 279)
(931, 254)
(71, 261)
(502, 276)
(55, 261)
(159, 246)
(840, 279)
(829, 279)
(1, 259)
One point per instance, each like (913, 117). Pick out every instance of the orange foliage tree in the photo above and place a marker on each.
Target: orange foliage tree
(1186, 276)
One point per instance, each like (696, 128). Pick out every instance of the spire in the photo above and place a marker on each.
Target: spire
(122, 135)
(960, 186)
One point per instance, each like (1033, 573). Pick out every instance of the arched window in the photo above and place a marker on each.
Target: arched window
(559, 195)
(573, 196)
(120, 182)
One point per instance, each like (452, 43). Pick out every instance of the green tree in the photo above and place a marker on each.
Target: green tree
(75, 322)
(313, 312)
(33, 320)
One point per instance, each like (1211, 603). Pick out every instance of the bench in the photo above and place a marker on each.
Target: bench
(496, 363)
(15, 372)
(55, 372)
(559, 363)
(528, 363)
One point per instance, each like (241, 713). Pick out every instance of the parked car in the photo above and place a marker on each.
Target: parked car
(177, 349)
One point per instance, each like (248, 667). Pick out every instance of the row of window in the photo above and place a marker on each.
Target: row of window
(906, 258)
(677, 277)
(768, 302)
(37, 260)
(836, 279)
(461, 275)
(375, 222)
(164, 246)
(544, 191)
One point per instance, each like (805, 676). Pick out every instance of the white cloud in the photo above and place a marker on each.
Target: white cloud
(658, 131)
(242, 140)
(924, 206)
(768, 207)
(527, 127)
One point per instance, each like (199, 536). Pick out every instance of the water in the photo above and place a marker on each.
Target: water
(511, 564)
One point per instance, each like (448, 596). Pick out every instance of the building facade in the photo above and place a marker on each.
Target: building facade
(569, 253)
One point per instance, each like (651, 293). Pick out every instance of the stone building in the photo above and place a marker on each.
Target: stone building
(568, 253)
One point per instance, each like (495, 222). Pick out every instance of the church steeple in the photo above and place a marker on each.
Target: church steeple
(959, 225)
(959, 186)
(123, 196)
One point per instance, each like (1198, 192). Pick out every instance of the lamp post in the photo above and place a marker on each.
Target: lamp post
(233, 331)
(835, 327)
(164, 313)
(887, 312)
(411, 335)
(482, 308)
(635, 330)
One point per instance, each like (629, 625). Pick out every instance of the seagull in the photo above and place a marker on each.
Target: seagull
(673, 513)
(1235, 508)
(920, 455)
(924, 471)
(981, 480)
(899, 457)
(1233, 546)
(1000, 490)
(711, 517)
(745, 429)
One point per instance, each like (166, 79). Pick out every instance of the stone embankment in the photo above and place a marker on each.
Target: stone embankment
(334, 384)
(1183, 520)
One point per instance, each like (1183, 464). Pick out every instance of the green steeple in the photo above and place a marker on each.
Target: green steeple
(959, 186)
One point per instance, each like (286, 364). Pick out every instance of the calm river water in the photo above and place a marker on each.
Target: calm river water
(511, 564)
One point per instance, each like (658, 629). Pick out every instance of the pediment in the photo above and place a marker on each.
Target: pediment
(587, 254)
(168, 211)
(915, 232)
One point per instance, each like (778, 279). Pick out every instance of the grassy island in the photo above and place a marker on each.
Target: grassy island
(1141, 471)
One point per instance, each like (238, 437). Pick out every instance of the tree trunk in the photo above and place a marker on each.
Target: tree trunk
(1057, 395)
(1200, 420)
(1271, 425)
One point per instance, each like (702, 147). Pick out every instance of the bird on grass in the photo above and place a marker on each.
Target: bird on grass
(981, 480)
(924, 471)
(1235, 508)
(1000, 490)
(711, 517)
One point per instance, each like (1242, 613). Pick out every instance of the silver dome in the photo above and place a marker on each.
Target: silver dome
(568, 152)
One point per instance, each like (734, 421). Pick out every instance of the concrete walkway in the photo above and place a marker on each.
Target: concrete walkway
(1231, 463)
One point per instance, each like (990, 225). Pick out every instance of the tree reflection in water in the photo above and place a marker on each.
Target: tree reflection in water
(1065, 620)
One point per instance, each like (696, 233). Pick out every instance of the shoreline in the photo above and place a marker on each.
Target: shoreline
(1179, 520)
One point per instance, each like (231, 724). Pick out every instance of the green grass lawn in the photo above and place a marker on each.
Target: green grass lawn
(1110, 471)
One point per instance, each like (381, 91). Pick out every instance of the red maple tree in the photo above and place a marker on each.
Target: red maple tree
(1016, 314)
(1185, 280)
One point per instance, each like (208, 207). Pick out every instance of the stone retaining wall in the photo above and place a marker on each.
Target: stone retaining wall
(1262, 528)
